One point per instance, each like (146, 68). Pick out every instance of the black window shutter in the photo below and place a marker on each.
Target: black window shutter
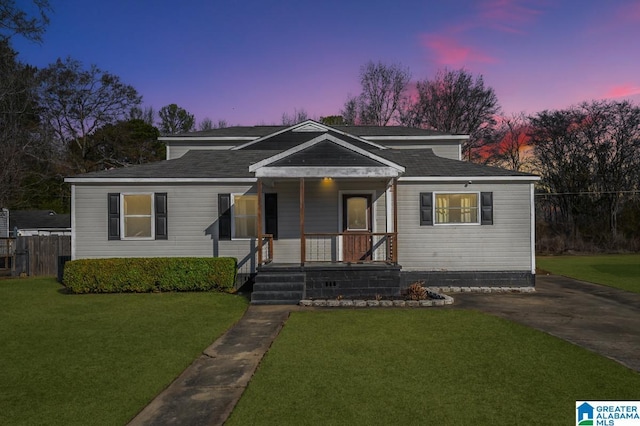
(113, 211)
(224, 216)
(486, 208)
(426, 208)
(161, 216)
(271, 215)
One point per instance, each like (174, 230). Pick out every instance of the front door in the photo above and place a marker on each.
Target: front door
(356, 227)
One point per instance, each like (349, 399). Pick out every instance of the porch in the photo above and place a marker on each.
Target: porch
(347, 220)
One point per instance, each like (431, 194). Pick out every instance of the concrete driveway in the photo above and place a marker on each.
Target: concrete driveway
(602, 319)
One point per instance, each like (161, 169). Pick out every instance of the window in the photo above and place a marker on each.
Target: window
(245, 216)
(456, 208)
(137, 216)
(137, 220)
(240, 217)
(357, 213)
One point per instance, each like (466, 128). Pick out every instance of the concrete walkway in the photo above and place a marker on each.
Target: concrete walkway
(602, 319)
(206, 392)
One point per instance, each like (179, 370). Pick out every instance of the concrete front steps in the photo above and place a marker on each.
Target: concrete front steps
(278, 288)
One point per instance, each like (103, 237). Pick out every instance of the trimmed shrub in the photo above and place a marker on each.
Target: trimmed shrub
(148, 274)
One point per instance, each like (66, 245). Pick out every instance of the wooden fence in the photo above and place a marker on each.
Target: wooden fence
(7, 251)
(40, 255)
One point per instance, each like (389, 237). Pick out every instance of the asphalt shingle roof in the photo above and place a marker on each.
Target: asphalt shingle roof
(260, 131)
(423, 162)
(235, 164)
(38, 219)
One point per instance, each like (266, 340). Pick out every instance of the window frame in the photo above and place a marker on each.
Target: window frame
(233, 216)
(478, 208)
(152, 217)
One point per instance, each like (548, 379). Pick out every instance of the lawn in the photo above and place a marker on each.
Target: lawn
(614, 270)
(98, 359)
(441, 367)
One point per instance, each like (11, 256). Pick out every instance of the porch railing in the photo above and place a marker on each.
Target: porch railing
(265, 249)
(329, 247)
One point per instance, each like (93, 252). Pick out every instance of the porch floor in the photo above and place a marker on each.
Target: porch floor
(315, 266)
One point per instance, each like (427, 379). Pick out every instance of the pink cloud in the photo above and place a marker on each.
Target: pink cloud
(623, 91)
(448, 51)
(506, 15)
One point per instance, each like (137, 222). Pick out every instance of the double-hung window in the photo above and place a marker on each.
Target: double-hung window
(238, 215)
(137, 216)
(456, 208)
(245, 216)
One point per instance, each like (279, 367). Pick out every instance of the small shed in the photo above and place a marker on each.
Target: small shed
(25, 223)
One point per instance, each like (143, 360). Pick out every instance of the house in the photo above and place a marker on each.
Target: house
(26, 223)
(317, 210)
(585, 413)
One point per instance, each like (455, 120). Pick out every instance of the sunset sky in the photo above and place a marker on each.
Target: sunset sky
(250, 61)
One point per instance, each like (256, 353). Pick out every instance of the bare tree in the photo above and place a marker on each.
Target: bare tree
(456, 102)
(175, 119)
(208, 124)
(509, 145)
(589, 156)
(16, 21)
(383, 88)
(298, 116)
(205, 124)
(350, 111)
(77, 101)
(148, 114)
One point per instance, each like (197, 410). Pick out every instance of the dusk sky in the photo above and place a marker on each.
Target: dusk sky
(247, 62)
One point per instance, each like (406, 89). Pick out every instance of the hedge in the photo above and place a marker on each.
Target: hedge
(152, 274)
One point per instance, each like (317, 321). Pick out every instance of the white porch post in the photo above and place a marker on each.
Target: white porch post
(394, 257)
(303, 244)
(259, 219)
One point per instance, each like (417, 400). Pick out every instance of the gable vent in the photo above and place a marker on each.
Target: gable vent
(310, 127)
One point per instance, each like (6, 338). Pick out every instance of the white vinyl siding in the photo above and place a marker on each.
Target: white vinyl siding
(193, 211)
(503, 246)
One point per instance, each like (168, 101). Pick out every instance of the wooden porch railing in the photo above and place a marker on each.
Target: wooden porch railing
(329, 247)
(265, 249)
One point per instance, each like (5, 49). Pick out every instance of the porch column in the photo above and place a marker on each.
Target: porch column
(303, 244)
(259, 219)
(395, 220)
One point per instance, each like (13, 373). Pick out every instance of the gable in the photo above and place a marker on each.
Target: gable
(290, 137)
(327, 153)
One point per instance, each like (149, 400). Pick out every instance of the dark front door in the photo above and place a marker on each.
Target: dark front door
(356, 228)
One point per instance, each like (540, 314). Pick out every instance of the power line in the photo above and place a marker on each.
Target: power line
(541, 194)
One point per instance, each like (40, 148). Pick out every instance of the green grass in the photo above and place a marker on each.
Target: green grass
(98, 359)
(440, 367)
(615, 270)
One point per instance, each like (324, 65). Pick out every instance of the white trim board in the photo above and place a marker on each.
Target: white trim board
(159, 180)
